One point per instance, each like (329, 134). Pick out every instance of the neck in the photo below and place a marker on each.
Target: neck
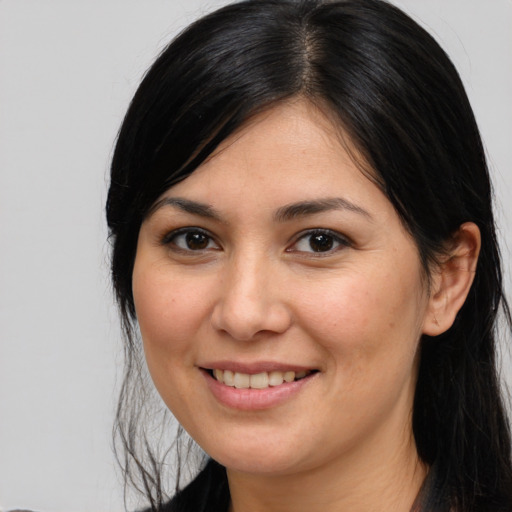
(382, 479)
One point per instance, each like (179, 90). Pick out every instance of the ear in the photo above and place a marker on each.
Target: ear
(452, 279)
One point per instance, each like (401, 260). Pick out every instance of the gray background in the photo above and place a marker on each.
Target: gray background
(67, 72)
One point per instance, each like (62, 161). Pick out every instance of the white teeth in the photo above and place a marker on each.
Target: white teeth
(219, 375)
(242, 380)
(275, 378)
(261, 380)
(228, 378)
(289, 376)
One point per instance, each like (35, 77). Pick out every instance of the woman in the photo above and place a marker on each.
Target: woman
(302, 230)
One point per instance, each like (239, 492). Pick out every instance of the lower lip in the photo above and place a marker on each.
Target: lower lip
(255, 399)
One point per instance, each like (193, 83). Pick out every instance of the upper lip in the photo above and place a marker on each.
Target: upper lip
(254, 367)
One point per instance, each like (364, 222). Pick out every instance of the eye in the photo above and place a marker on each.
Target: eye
(319, 241)
(190, 239)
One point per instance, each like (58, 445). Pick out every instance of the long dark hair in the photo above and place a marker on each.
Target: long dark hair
(395, 92)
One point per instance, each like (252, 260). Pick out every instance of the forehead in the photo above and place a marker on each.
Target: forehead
(296, 126)
(291, 152)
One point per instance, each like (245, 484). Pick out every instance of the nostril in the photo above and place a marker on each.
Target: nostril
(245, 322)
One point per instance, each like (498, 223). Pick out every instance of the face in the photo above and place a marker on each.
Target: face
(281, 301)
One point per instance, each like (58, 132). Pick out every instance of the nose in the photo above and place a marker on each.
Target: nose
(251, 301)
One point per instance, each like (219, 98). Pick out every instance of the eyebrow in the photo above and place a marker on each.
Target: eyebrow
(187, 206)
(306, 208)
(282, 214)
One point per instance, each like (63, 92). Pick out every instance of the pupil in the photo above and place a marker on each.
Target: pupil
(196, 241)
(321, 242)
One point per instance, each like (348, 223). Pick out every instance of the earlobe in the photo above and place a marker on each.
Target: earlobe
(452, 280)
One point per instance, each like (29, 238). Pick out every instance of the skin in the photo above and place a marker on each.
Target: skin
(258, 292)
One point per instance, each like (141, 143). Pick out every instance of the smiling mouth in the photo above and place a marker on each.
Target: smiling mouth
(262, 380)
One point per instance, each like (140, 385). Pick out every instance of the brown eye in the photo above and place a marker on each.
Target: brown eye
(189, 239)
(319, 241)
(196, 241)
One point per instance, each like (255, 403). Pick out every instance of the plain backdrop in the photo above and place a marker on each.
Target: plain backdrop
(68, 69)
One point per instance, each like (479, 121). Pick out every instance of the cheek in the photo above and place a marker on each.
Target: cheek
(169, 312)
(368, 329)
(365, 321)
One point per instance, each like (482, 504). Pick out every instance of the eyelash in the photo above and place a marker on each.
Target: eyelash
(338, 241)
(170, 239)
(334, 241)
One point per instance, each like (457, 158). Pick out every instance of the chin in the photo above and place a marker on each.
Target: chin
(259, 457)
(257, 465)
